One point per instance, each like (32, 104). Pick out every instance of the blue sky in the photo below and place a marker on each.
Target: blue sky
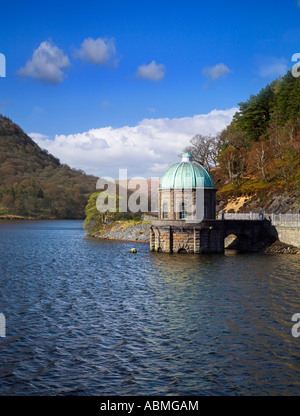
(131, 81)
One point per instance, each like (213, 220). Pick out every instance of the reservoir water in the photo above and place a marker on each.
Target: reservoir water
(86, 317)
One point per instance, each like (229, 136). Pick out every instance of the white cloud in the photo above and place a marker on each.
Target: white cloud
(272, 67)
(47, 64)
(37, 136)
(216, 72)
(96, 51)
(146, 149)
(152, 72)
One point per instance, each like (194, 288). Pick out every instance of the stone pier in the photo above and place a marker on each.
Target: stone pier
(208, 236)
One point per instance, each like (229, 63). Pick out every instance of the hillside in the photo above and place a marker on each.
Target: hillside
(34, 183)
(256, 158)
(255, 163)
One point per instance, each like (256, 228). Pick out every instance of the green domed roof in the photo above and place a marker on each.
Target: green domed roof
(186, 174)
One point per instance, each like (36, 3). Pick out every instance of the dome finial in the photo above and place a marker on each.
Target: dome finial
(187, 157)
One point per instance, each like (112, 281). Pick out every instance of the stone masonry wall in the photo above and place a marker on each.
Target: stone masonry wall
(289, 235)
(183, 239)
(176, 237)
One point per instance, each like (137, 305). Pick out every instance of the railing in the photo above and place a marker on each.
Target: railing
(283, 220)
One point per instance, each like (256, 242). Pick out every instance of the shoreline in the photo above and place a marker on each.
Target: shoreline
(131, 232)
(118, 239)
(21, 218)
(281, 248)
(140, 233)
(268, 250)
(8, 217)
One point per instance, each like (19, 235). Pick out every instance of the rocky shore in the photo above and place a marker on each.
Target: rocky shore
(13, 217)
(281, 248)
(126, 231)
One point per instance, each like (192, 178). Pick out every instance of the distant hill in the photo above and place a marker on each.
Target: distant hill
(33, 183)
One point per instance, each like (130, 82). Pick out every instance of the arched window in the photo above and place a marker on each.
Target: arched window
(182, 212)
(205, 211)
(165, 211)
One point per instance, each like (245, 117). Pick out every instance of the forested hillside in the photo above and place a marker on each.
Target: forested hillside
(255, 162)
(257, 156)
(34, 183)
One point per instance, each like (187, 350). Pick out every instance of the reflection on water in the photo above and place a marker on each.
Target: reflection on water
(85, 317)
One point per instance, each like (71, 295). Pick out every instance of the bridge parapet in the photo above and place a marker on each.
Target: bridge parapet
(283, 220)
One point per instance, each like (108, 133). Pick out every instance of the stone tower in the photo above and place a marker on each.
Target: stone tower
(179, 187)
(187, 198)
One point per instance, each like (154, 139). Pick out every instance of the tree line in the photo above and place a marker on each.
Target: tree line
(262, 143)
(34, 183)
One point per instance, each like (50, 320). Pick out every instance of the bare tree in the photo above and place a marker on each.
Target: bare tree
(205, 149)
(233, 164)
(259, 158)
(233, 136)
(216, 146)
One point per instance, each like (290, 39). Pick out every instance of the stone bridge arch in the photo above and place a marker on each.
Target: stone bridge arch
(240, 242)
(251, 235)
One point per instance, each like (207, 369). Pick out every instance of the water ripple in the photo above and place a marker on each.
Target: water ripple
(86, 318)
